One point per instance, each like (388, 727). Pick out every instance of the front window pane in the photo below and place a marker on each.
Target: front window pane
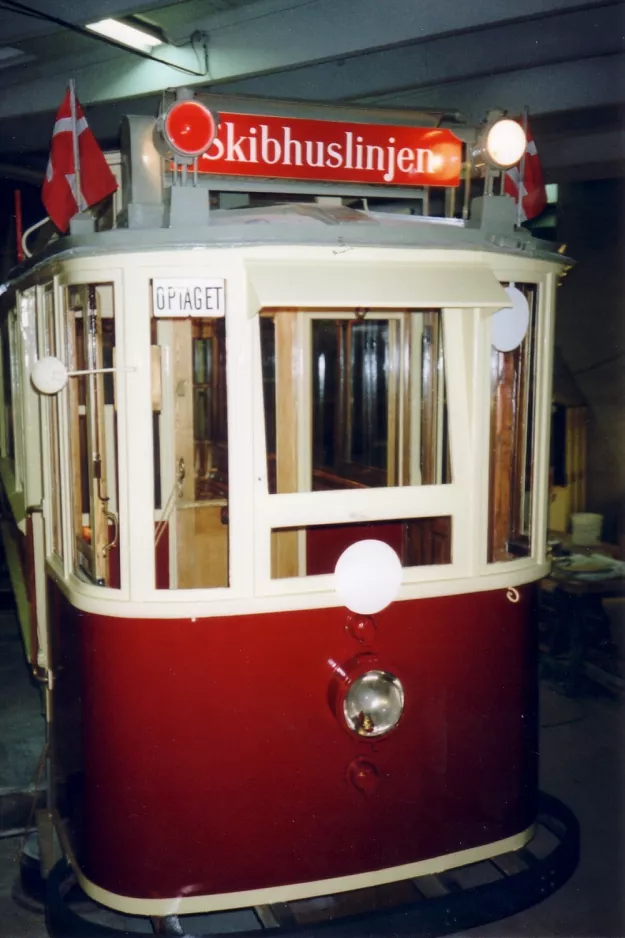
(354, 402)
(350, 371)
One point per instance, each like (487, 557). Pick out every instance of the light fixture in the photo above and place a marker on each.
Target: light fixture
(374, 703)
(503, 143)
(136, 37)
(368, 576)
(188, 127)
(49, 375)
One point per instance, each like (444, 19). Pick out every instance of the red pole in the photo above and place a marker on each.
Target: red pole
(19, 228)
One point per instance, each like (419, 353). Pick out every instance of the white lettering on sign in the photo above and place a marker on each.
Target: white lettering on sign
(333, 151)
(198, 296)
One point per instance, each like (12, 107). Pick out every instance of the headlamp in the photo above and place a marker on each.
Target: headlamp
(374, 703)
(188, 128)
(501, 144)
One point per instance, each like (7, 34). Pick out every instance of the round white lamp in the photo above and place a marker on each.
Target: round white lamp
(367, 576)
(505, 143)
(49, 375)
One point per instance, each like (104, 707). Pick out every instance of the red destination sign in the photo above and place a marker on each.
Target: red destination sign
(329, 151)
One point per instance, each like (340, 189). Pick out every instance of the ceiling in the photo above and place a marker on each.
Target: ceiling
(564, 60)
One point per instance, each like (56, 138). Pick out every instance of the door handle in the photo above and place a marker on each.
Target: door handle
(111, 516)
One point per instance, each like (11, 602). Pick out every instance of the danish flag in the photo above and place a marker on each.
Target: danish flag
(59, 192)
(533, 194)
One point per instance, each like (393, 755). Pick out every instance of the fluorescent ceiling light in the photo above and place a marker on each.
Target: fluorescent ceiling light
(125, 34)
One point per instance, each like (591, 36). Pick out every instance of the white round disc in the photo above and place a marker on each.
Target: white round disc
(49, 375)
(509, 325)
(367, 576)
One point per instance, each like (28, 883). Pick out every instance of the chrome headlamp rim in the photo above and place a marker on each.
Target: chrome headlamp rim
(366, 713)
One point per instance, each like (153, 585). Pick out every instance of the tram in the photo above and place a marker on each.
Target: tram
(275, 488)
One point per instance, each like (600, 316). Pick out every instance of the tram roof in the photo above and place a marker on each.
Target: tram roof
(304, 224)
(163, 206)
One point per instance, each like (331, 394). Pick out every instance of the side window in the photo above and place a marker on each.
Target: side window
(93, 432)
(352, 402)
(16, 421)
(513, 376)
(8, 442)
(191, 454)
(51, 403)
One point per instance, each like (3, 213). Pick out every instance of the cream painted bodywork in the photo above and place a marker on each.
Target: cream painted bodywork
(465, 284)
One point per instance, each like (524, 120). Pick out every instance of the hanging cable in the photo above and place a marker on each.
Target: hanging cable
(29, 231)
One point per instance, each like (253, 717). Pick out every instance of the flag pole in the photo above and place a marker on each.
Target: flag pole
(19, 227)
(72, 105)
(520, 193)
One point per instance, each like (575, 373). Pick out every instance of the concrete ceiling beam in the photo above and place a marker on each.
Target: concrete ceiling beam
(498, 49)
(550, 88)
(273, 35)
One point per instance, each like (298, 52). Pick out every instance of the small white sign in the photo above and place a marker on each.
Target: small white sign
(182, 296)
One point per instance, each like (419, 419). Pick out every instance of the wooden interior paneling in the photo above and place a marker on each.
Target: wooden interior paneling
(502, 442)
(284, 547)
(201, 526)
(429, 397)
(202, 546)
(428, 541)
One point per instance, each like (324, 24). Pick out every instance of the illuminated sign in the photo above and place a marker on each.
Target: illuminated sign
(333, 151)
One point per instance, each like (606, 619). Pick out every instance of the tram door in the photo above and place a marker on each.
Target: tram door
(200, 452)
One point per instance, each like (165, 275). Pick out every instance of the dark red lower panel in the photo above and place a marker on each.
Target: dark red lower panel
(213, 762)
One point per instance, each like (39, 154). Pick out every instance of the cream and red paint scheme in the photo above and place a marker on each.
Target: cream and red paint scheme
(197, 761)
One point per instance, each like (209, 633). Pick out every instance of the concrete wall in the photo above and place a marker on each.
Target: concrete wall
(590, 332)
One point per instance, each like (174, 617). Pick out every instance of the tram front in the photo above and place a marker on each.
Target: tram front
(293, 534)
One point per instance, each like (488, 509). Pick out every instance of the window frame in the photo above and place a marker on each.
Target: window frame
(75, 274)
(51, 452)
(545, 284)
(250, 521)
(302, 509)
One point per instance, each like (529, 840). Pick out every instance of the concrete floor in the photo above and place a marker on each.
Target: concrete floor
(581, 763)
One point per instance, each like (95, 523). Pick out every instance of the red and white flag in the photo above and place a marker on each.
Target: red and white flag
(533, 194)
(73, 142)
